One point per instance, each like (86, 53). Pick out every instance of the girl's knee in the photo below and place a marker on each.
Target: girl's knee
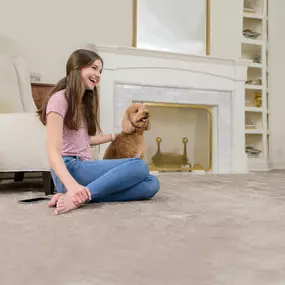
(153, 187)
(142, 165)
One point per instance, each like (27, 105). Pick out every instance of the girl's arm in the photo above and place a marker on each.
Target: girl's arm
(54, 147)
(95, 140)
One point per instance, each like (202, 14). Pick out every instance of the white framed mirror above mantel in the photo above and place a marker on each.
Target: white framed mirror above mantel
(173, 26)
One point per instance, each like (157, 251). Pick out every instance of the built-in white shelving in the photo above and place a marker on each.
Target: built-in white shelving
(255, 48)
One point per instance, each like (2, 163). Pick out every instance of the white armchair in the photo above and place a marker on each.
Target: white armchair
(22, 135)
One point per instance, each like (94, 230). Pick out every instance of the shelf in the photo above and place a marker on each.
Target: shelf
(253, 158)
(257, 121)
(253, 87)
(253, 109)
(257, 132)
(253, 15)
(254, 132)
(257, 159)
(258, 163)
(249, 10)
(255, 65)
(252, 42)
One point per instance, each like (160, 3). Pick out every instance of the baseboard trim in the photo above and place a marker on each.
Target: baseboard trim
(258, 165)
(278, 165)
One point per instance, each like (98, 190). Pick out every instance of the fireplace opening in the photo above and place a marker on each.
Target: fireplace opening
(180, 138)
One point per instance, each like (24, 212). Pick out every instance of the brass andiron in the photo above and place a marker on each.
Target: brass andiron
(168, 159)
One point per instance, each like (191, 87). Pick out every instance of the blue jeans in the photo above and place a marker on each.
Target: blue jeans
(111, 180)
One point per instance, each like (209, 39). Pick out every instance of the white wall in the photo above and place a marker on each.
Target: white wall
(46, 32)
(226, 28)
(276, 81)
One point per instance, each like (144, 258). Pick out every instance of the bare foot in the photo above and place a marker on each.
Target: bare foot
(54, 199)
(64, 205)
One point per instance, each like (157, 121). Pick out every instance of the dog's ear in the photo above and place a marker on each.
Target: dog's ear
(127, 125)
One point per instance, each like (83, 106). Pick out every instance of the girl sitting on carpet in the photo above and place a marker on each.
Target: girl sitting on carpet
(70, 114)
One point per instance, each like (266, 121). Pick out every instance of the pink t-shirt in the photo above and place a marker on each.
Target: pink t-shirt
(74, 143)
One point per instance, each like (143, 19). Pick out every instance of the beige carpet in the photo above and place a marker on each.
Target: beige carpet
(200, 229)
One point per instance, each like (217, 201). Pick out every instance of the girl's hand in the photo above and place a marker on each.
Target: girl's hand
(79, 194)
(116, 135)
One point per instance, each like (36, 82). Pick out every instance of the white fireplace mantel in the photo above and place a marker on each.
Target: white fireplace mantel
(216, 82)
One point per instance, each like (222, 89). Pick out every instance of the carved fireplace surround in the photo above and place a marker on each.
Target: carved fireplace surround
(132, 74)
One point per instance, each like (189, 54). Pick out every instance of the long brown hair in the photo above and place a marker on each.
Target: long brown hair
(76, 95)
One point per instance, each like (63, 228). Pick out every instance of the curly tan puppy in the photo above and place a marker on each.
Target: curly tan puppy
(130, 142)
